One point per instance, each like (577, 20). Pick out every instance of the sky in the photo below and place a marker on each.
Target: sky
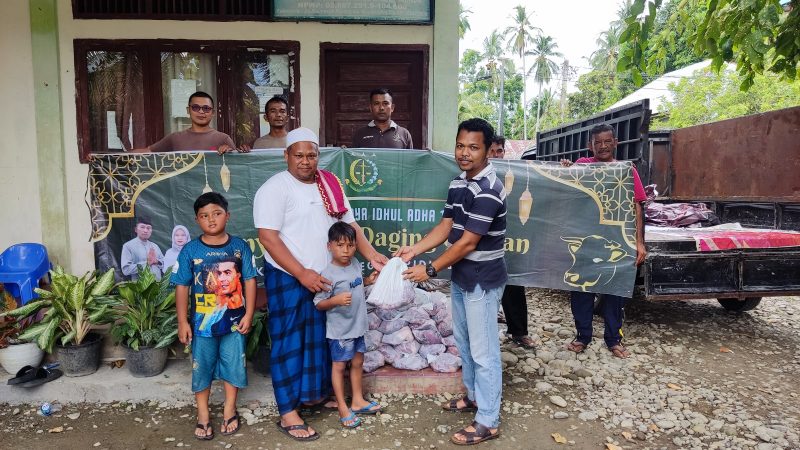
(574, 24)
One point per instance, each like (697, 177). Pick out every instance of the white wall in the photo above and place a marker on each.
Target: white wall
(309, 34)
(20, 219)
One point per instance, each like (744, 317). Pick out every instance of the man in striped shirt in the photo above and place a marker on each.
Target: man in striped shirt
(474, 226)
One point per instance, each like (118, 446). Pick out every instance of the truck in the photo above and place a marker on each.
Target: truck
(746, 170)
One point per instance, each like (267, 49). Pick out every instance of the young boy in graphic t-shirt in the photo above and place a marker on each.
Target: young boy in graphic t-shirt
(218, 270)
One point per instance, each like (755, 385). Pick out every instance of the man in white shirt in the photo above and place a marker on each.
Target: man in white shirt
(141, 252)
(293, 221)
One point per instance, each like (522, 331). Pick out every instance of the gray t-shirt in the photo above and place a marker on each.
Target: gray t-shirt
(268, 141)
(345, 322)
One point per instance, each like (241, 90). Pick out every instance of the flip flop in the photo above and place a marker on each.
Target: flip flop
(356, 420)
(23, 375)
(205, 428)
(44, 375)
(368, 411)
(481, 434)
(469, 405)
(308, 408)
(226, 422)
(286, 429)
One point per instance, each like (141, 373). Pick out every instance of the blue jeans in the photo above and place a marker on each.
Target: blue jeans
(475, 330)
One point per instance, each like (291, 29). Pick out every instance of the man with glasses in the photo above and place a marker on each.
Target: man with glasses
(200, 136)
(276, 113)
(603, 144)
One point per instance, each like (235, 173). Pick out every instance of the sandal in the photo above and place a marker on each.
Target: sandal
(206, 428)
(469, 405)
(620, 351)
(481, 434)
(524, 341)
(367, 410)
(356, 421)
(576, 346)
(308, 408)
(303, 426)
(226, 422)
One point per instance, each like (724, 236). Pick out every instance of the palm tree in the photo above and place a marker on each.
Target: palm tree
(498, 64)
(463, 20)
(607, 54)
(623, 11)
(519, 36)
(544, 67)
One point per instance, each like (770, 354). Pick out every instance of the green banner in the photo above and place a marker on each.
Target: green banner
(567, 228)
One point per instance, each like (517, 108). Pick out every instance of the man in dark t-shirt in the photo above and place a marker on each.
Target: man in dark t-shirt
(382, 131)
(474, 224)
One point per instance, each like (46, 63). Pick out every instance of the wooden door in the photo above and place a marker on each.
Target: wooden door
(349, 72)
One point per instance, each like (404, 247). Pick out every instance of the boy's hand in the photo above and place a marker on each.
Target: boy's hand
(184, 332)
(566, 163)
(345, 298)
(371, 278)
(245, 324)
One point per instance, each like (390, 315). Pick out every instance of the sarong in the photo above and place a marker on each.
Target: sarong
(300, 359)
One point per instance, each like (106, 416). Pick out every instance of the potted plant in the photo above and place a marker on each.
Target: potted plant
(74, 306)
(149, 323)
(15, 353)
(259, 344)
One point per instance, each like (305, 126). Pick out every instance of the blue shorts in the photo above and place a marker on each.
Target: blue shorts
(218, 358)
(345, 349)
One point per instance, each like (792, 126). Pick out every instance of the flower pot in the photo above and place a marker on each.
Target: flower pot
(261, 360)
(17, 356)
(80, 360)
(145, 362)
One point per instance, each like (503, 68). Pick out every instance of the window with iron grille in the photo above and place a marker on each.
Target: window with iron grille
(210, 10)
(131, 93)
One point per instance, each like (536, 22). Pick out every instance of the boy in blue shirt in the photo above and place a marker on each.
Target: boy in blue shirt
(216, 267)
(346, 321)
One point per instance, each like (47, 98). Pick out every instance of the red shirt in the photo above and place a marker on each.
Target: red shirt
(638, 190)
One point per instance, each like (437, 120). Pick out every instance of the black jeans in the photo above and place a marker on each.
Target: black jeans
(515, 307)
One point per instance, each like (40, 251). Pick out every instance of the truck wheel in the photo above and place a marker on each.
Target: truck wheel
(736, 305)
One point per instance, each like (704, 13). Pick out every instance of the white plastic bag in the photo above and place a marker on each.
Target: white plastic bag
(391, 291)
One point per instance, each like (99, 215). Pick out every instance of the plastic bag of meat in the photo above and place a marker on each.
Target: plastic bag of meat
(443, 314)
(421, 297)
(372, 361)
(398, 337)
(408, 348)
(373, 320)
(390, 354)
(453, 351)
(410, 362)
(416, 316)
(431, 350)
(388, 314)
(391, 291)
(427, 333)
(445, 363)
(372, 339)
(445, 327)
(390, 326)
(449, 341)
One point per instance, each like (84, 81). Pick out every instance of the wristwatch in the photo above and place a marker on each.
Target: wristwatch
(430, 270)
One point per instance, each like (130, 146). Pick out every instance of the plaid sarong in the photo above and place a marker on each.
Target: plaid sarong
(300, 358)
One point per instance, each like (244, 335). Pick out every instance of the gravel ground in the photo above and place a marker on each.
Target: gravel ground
(700, 377)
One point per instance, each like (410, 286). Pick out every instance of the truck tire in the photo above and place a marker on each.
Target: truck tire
(736, 305)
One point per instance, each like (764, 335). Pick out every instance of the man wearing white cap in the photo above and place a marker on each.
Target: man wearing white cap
(293, 211)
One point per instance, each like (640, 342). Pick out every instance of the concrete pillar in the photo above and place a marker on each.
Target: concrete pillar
(445, 76)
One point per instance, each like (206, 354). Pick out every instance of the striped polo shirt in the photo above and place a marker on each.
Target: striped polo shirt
(478, 205)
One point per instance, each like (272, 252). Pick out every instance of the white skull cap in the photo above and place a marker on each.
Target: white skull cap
(301, 135)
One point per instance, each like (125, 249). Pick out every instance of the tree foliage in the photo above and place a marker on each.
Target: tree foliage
(757, 35)
(708, 97)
